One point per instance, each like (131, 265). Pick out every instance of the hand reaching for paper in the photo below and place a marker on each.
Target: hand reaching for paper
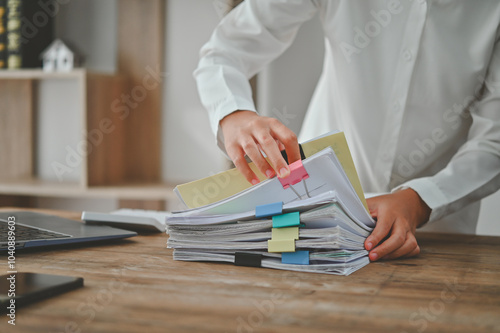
(247, 133)
(398, 215)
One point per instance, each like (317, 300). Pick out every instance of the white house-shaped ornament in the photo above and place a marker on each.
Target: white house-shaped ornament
(58, 57)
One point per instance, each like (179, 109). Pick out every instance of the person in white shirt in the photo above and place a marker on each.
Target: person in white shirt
(415, 86)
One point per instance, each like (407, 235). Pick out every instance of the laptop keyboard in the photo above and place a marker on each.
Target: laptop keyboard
(27, 233)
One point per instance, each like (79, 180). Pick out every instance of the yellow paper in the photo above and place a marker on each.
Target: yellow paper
(285, 233)
(286, 245)
(339, 145)
(224, 184)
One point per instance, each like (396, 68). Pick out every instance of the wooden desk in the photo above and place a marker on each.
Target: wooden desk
(135, 286)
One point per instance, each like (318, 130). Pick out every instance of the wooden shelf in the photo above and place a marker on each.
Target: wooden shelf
(37, 74)
(42, 188)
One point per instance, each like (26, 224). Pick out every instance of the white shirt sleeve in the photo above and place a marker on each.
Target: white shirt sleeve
(247, 39)
(474, 171)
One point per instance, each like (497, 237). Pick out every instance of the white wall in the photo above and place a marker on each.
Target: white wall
(189, 149)
(286, 85)
(489, 216)
(95, 38)
(59, 132)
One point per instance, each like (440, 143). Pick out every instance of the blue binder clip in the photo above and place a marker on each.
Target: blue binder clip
(295, 258)
(275, 208)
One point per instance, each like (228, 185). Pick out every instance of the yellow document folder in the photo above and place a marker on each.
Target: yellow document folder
(227, 183)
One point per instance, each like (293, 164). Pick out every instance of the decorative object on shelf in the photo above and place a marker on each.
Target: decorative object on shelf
(3, 34)
(59, 57)
(29, 26)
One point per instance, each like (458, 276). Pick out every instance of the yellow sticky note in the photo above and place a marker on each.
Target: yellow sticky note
(285, 233)
(215, 188)
(286, 245)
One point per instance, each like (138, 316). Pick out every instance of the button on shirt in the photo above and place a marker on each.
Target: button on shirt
(415, 86)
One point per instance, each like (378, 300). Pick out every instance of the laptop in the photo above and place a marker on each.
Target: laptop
(36, 230)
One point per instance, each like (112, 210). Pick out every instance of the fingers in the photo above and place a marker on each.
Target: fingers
(288, 140)
(381, 230)
(238, 158)
(280, 145)
(408, 249)
(252, 147)
(395, 241)
(253, 150)
(273, 141)
(373, 206)
(246, 133)
(268, 144)
(396, 221)
(402, 242)
(413, 253)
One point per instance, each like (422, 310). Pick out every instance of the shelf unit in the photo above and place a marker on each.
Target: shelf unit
(19, 89)
(118, 167)
(33, 74)
(37, 187)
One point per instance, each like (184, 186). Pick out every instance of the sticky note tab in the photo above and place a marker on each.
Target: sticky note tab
(297, 174)
(275, 208)
(286, 220)
(285, 233)
(247, 259)
(287, 245)
(295, 258)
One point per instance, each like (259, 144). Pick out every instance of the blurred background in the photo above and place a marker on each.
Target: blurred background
(122, 124)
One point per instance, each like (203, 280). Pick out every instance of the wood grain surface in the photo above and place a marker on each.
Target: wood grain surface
(135, 286)
(140, 59)
(16, 129)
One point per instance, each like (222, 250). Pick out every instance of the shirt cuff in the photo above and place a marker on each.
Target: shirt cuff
(430, 193)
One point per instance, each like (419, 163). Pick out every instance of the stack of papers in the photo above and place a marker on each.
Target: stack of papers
(312, 221)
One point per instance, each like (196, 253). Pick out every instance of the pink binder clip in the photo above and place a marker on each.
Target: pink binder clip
(297, 174)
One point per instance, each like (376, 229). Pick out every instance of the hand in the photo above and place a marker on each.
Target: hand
(245, 132)
(398, 215)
